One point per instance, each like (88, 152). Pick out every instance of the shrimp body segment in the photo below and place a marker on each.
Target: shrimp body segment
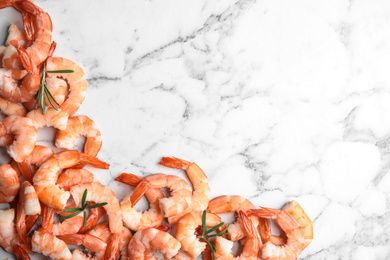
(294, 245)
(52, 117)
(9, 183)
(99, 193)
(90, 242)
(146, 241)
(46, 177)
(30, 199)
(8, 236)
(73, 177)
(76, 81)
(11, 108)
(50, 245)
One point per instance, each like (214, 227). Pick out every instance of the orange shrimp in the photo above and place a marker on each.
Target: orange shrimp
(8, 236)
(99, 193)
(70, 225)
(31, 203)
(252, 243)
(20, 253)
(11, 108)
(180, 196)
(80, 125)
(72, 177)
(52, 117)
(294, 245)
(93, 218)
(136, 220)
(9, 183)
(50, 245)
(76, 81)
(16, 37)
(90, 242)
(46, 176)
(42, 27)
(24, 133)
(201, 192)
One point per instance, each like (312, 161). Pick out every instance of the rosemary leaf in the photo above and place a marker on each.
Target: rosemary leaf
(97, 205)
(71, 216)
(85, 218)
(72, 210)
(84, 197)
(214, 228)
(60, 71)
(219, 234)
(204, 222)
(48, 98)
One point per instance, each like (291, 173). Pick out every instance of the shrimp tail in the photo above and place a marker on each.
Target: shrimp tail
(128, 178)
(26, 7)
(250, 229)
(20, 253)
(5, 3)
(175, 163)
(27, 62)
(265, 213)
(138, 192)
(72, 239)
(112, 250)
(93, 161)
(25, 170)
(28, 26)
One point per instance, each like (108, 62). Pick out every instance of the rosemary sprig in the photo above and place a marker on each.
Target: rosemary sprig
(206, 233)
(84, 207)
(45, 92)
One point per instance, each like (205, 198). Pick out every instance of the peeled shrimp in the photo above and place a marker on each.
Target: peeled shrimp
(303, 219)
(136, 220)
(8, 236)
(50, 245)
(11, 109)
(224, 204)
(30, 199)
(99, 193)
(9, 87)
(70, 225)
(93, 218)
(9, 183)
(294, 245)
(180, 193)
(42, 28)
(80, 125)
(52, 117)
(24, 133)
(16, 37)
(76, 81)
(201, 193)
(146, 241)
(73, 177)
(46, 176)
(90, 242)
(186, 228)
(252, 243)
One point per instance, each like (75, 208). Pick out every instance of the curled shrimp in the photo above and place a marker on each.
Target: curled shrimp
(293, 247)
(99, 193)
(80, 125)
(302, 218)
(9, 87)
(11, 108)
(224, 204)
(46, 176)
(50, 245)
(180, 193)
(16, 37)
(146, 241)
(93, 218)
(8, 236)
(136, 220)
(252, 243)
(76, 81)
(201, 192)
(9, 183)
(90, 242)
(24, 134)
(41, 26)
(186, 229)
(68, 226)
(52, 117)
(30, 199)
(71, 177)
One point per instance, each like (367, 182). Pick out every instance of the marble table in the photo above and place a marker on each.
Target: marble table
(274, 100)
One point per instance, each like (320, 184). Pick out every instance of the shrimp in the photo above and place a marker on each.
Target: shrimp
(186, 228)
(224, 204)
(99, 193)
(25, 135)
(52, 117)
(293, 247)
(50, 245)
(201, 193)
(11, 109)
(80, 125)
(9, 87)
(72, 177)
(20, 212)
(20, 253)
(30, 199)
(46, 176)
(16, 37)
(90, 242)
(76, 81)
(252, 243)
(9, 183)
(8, 236)
(42, 27)
(47, 219)
(303, 219)
(146, 241)
(134, 219)
(38, 156)
(70, 225)
(93, 218)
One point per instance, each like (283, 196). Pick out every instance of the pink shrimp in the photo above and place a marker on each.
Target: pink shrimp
(8, 236)
(90, 242)
(52, 117)
(50, 245)
(73, 177)
(11, 108)
(9, 183)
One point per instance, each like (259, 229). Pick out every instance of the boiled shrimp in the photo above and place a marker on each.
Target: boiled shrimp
(90, 242)
(24, 133)
(93, 218)
(201, 192)
(9, 87)
(146, 241)
(70, 225)
(52, 117)
(99, 193)
(71, 177)
(224, 204)
(80, 126)
(251, 247)
(76, 81)
(11, 108)
(137, 220)
(186, 228)
(50, 245)
(294, 245)
(303, 219)
(20, 253)
(16, 37)
(46, 176)
(30, 199)
(9, 183)
(41, 24)
(8, 236)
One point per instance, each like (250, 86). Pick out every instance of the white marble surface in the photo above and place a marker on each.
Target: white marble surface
(275, 100)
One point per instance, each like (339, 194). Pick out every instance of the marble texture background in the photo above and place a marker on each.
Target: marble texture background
(275, 100)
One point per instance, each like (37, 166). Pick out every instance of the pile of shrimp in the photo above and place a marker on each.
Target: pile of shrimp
(39, 185)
